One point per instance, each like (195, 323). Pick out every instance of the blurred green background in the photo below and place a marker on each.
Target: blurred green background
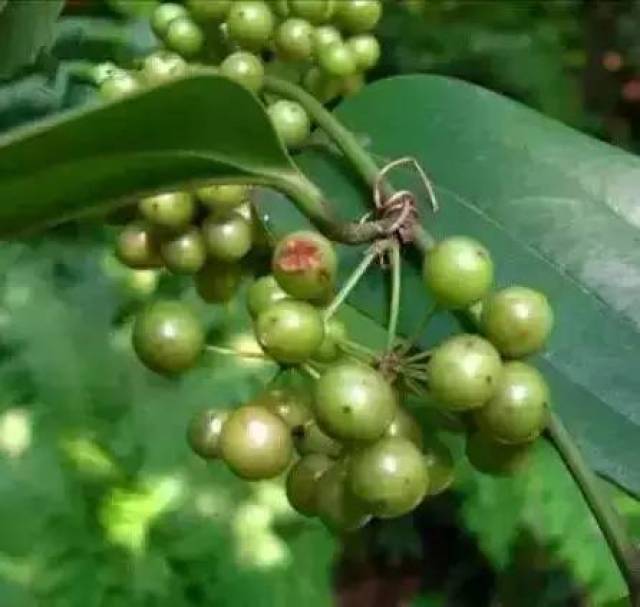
(101, 502)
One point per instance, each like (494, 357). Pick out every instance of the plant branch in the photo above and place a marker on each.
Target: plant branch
(348, 143)
(627, 555)
(310, 201)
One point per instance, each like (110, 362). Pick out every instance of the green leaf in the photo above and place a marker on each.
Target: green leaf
(557, 209)
(26, 28)
(203, 127)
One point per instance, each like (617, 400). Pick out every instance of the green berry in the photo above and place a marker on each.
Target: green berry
(104, 71)
(184, 37)
(305, 265)
(440, 467)
(245, 69)
(309, 438)
(203, 433)
(137, 246)
(336, 59)
(517, 411)
(281, 8)
(227, 237)
(290, 121)
(218, 281)
(209, 10)
(250, 23)
(315, 11)
(294, 39)
(222, 198)
(354, 402)
(184, 253)
(119, 84)
(167, 337)
(389, 476)
(321, 85)
(352, 84)
(517, 320)
(288, 404)
(164, 14)
(171, 211)
(323, 36)
(357, 16)
(302, 482)
(329, 350)
(290, 331)
(366, 51)
(336, 506)
(255, 443)
(264, 292)
(458, 272)
(405, 425)
(162, 66)
(463, 372)
(495, 459)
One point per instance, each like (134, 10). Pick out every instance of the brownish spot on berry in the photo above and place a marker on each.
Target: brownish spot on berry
(299, 255)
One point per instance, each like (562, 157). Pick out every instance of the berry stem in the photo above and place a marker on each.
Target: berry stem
(371, 253)
(396, 285)
(310, 371)
(350, 347)
(232, 352)
(413, 340)
(611, 524)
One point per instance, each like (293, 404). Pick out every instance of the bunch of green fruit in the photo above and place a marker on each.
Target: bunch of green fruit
(349, 449)
(324, 44)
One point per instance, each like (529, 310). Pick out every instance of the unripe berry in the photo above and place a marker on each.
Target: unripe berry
(184, 37)
(227, 237)
(358, 16)
(496, 459)
(336, 506)
(302, 483)
(294, 39)
(245, 69)
(290, 121)
(366, 51)
(184, 253)
(218, 281)
(164, 14)
(250, 23)
(458, 272)
(137, 246)
(264, 292)
(517, 412)
(170, 211)
(255, 443)
(463, 372)
(389, 476)
(517, 320)
(305, 265)
(162, 66)
(336, 59)
(203, 433)
(167, 337)
(290, 331)
(354, 402)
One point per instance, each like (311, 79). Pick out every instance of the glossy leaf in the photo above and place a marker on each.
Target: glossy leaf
(557, 209)
(25, 29)
(203, 127)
